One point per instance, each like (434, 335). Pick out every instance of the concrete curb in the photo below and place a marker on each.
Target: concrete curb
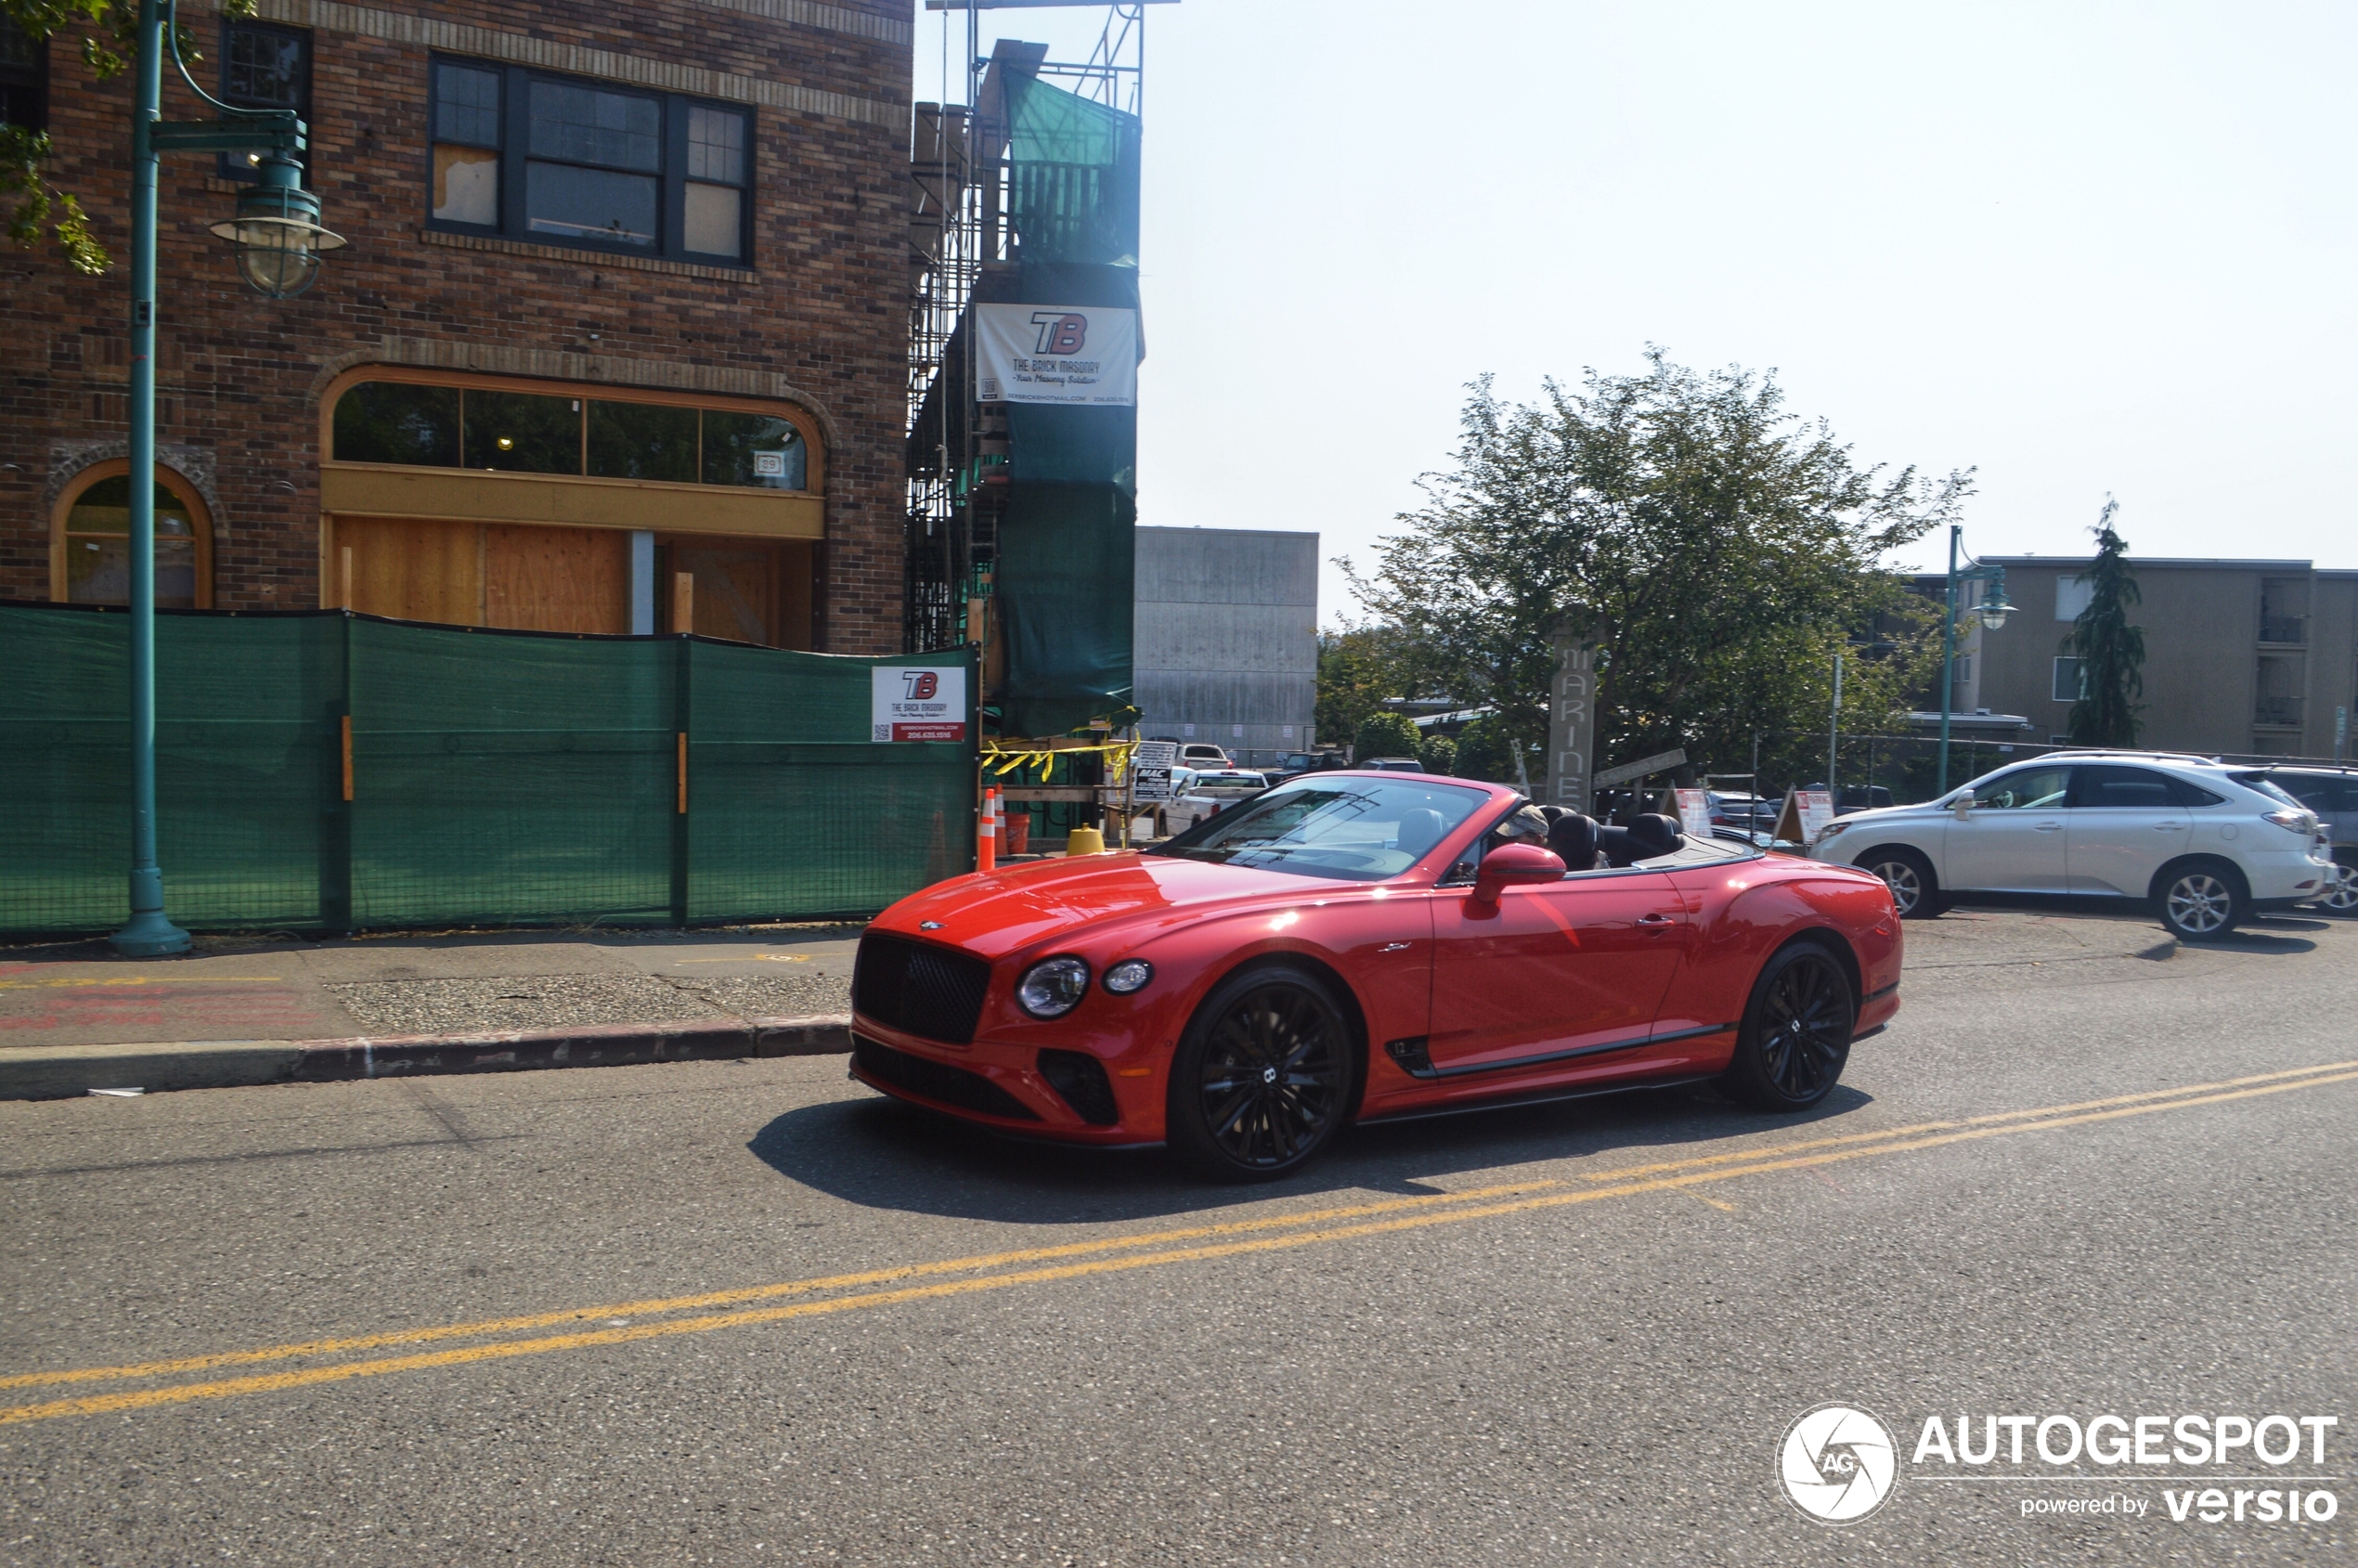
(45, 1072)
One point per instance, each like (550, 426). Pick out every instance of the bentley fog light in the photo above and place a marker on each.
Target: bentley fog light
(1130, 975)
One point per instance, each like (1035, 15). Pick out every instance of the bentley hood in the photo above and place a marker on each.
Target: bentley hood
(1005, 911)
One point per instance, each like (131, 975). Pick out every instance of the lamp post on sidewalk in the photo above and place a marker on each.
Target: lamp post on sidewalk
(1992, 610)
(279, 242)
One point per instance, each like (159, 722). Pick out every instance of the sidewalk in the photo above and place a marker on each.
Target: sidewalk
(74, 1017)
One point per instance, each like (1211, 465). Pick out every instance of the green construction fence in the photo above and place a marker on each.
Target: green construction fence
(494, 777)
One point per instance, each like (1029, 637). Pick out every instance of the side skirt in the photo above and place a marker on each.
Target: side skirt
(1413, 1059)
(1511, 1099)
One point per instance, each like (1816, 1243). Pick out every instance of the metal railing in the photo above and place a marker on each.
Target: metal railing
(2284, 629)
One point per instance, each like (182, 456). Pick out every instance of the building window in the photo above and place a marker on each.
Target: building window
(416, 425)
(713, 217)
(2072, 597)
(466, 146)
(264, 67)
(2071, 682)
(24, 78)
(94, 542)
(583, 163)
(1964, 669)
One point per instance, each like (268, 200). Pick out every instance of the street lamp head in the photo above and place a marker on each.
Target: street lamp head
(1994, 612)
(277, 231)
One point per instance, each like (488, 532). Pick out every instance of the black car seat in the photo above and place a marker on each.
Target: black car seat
(1647, 837)
(1572, 837)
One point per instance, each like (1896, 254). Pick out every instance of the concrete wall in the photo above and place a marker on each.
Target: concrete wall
(2212, 683)
(1227, 638)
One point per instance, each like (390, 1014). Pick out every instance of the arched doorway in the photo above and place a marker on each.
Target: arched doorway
(90, 544)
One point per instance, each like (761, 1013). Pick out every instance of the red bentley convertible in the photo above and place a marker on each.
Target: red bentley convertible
(1365, 946)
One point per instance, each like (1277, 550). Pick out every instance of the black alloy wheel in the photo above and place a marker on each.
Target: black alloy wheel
(1915, 893)
(1796, 1035)
(1261, 1081)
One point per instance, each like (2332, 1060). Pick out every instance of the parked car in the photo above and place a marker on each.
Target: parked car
(2205, 845)
(1361, 946)
(1741, 811)
(1293, 764)
(1392, 765)
(2332, 793)
(1229, 779)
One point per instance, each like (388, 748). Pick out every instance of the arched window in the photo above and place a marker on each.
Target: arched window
(91, 553)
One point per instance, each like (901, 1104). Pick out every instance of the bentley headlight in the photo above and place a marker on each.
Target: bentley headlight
(1131, 973)
(1053, 986)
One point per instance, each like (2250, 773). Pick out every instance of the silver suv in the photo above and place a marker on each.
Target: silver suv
(2332, 793)
(2206, 846)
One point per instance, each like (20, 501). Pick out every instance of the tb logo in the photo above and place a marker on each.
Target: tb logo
(1060, 332)
(923, 684)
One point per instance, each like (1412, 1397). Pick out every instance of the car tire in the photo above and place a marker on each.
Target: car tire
(1915, 891)
(2341, 894)
(1262, 1079)
(1796, 1035)
(2201, 900)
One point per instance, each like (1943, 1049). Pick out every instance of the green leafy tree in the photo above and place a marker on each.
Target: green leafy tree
(1486, 751)
(1717, 549)
(109, 34)
(1359, 669)
(2110, 650)
(1436, 752)
(1385, 733)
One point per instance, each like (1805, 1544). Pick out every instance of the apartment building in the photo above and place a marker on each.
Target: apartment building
(621, 305)
(2257, 657)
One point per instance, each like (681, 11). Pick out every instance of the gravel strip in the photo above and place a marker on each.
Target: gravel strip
(450, 1006)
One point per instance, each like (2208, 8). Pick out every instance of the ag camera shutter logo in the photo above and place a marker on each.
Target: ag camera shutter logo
(1837, 1464)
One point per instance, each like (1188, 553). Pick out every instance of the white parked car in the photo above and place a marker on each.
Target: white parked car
(2205, 845)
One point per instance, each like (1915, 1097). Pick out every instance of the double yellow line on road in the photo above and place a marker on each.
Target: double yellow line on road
(1040, 1265)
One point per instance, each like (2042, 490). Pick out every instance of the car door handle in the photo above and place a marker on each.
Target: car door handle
(2170, 827)
(1656, 921)
(2047, 827)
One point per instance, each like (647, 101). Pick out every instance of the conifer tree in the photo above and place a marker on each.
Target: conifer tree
(2110, 649)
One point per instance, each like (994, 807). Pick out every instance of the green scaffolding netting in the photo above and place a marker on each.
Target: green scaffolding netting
(1068, 633)
(1073, 167)
(497, 777)
(1064, 576)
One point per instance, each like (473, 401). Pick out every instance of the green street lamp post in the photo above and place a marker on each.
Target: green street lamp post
(279, 242)
(1993, 611)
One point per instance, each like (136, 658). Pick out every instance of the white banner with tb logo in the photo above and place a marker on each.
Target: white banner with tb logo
(1055, 353)
(918, 702)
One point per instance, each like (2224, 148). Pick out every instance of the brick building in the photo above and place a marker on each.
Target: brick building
(622, 303)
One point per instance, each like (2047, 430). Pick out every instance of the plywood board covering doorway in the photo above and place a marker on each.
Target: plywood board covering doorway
(747, 591)
(516, 577)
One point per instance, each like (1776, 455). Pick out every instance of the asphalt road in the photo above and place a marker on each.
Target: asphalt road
(749, 1313)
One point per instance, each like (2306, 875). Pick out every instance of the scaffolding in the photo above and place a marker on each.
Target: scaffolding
(960, 229)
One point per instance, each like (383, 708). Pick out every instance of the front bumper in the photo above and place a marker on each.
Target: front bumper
(1006, 1086)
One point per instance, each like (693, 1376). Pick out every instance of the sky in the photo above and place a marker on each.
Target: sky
(2083, 249)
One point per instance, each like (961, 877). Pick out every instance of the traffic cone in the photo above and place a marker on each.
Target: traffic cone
(987, 833)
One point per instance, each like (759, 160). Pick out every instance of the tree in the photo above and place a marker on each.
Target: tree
(1436, 753)
(1486, 751)
(2111, 652)
(1359, 669)
(1385, 733)
(1714, 547)
(110, 35)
